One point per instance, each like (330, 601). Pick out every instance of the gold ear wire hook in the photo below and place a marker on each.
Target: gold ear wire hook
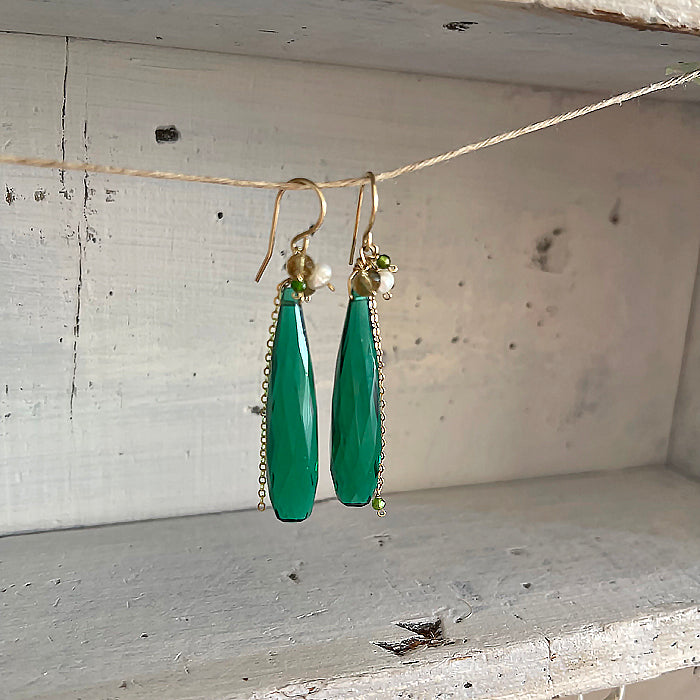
(306, 235)
(367, 235)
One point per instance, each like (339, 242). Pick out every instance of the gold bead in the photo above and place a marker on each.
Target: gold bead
(366, 283)
(294, 265)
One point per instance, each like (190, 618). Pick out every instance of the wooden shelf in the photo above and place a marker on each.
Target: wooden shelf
(576, 583)
(554, 43)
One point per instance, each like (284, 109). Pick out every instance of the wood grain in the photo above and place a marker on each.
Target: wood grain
(537, 325)
(684, 441)
(511, 42)
(39, 280)
(577, 583)
(643, 15)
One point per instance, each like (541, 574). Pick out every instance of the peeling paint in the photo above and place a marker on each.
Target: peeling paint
(167, 134)
(547, 257)
(462, 26)
(429, 633)
(642, 25)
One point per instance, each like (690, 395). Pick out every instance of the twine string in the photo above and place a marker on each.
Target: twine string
(357, 181)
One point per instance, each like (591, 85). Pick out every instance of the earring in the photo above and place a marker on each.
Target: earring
(289, 432)
(357, 421)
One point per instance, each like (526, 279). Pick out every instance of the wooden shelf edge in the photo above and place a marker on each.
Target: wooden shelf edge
(577, 583)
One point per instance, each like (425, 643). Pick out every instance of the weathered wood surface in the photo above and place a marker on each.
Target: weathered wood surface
(41, 227)
(577, 583)
(684, 442)
(666, 15)
(526, 42)
(539, 314)
(678, 685)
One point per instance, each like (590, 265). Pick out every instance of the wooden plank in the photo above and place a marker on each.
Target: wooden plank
(577, 583)
(512, 42)
(669, 15)
(39, 280)
(684, 442)
(678, 684)
(538, 320)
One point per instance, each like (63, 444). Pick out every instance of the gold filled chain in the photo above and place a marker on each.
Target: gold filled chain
(376, 333)
(262, 478)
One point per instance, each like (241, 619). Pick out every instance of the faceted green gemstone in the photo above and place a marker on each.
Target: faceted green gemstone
(292, 433)
(356, 439)
(383, 262)
(378, 503)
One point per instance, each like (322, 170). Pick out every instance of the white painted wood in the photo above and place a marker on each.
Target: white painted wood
(39, 274)
(523, 42)
(172, 328)
(684, 443)
(678, 14)
(577, 583)
(679, 685)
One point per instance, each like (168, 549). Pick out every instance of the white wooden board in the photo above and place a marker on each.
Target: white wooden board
(684, 444)
(679, 685)
(39, 276)
(513, 42)
(538, 320)
(577, 583)
(682, 15)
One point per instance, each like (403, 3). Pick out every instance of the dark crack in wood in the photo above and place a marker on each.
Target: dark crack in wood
(430, 633)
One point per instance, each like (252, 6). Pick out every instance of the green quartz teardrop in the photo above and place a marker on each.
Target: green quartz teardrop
(356, 438)
(292, 432)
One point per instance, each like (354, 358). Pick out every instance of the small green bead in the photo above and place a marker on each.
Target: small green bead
(383, 262)
(378, 503)
(298, 285)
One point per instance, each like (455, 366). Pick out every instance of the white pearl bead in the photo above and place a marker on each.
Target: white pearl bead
(386, 281)
(320, 277)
